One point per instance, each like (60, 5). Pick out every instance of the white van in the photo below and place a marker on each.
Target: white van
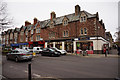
(27, 48)
(37, 49)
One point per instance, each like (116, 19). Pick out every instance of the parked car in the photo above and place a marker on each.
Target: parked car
(6, 50)
(62, 52)
(37, 50)
(50, 52)
(19, 54)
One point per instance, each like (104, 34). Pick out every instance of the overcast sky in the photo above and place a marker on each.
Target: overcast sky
(22, 10)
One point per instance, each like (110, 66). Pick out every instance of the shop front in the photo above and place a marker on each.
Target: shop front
(21, 45)
(37, 44)
(63, 44)
(14, 45)
(84, 45)
(94, 44)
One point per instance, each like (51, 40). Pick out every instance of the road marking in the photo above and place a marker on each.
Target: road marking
(36, 75)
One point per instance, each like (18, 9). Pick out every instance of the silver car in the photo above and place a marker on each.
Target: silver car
(19, 55)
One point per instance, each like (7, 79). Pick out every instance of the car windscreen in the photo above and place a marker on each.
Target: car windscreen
(52, 49)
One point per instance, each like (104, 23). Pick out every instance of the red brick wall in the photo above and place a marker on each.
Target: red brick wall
(71, 27)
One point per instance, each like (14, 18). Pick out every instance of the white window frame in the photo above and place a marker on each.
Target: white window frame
(65, 22)
(11, 35)
(26, 39)
(85, 32)
(32, 31)
(38, 37)
(64, 32)
(67, 33)
(31, 38)
(15, 40)
(38, 30)
(83, 18)
(81, 31)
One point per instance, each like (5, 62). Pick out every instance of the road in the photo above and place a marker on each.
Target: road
(69, 66)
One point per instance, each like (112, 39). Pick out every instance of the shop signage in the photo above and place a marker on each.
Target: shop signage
(41, 39)
(84, 38)
(76, 39)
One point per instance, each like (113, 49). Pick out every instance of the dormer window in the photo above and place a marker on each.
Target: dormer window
(83, 18)
(65, 22)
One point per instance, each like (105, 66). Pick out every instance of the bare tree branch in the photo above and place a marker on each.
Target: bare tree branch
(4, 19)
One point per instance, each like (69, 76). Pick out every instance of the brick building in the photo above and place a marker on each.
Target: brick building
(109, 38)
(79, 30)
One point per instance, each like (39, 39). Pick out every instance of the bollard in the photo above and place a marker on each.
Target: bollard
(29, 71)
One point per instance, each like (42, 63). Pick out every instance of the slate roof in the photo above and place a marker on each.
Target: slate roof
(71, 17)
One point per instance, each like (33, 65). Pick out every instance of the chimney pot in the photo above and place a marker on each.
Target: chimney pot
(53, 15)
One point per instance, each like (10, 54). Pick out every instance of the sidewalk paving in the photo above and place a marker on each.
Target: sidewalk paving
(95, 55)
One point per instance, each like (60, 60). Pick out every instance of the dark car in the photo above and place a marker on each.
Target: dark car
(50, 52)
(19, 55)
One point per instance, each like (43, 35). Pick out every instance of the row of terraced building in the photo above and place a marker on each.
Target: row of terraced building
(79, 30)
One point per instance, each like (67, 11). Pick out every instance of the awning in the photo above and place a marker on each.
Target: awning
(14, 44)
(23, 43)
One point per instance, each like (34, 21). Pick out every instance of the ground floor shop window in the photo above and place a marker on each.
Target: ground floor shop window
(58, 45)
(50, 44)
(69, 46)
(84, 45)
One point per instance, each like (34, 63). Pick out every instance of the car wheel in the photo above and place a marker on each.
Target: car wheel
(52, 55)
(16, 59)
(30, 59)
(41, 54)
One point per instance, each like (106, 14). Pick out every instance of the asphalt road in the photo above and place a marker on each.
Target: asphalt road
(69, 66)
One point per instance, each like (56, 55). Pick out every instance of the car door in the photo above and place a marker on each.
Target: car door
(46, 52)
(11, 55)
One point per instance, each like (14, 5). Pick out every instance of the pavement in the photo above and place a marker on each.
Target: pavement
(113, 54)
(95, 55)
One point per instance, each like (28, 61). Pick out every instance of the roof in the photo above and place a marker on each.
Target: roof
(71, 17)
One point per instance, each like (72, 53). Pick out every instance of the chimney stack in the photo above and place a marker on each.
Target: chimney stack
(35, 21)
(27, 23)
(77, 10)
(53, 15)
(97, 15)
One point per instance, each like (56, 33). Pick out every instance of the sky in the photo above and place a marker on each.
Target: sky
(27, 10)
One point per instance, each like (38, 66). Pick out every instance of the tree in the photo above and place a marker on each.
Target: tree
(117, 35)
(5, 21)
